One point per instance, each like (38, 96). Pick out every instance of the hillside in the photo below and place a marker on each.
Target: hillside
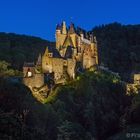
(119, 48)
(92, 106)
(16, 49)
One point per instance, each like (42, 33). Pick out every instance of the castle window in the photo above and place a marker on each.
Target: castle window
(65, 63)
(29, 74)
(50, 54)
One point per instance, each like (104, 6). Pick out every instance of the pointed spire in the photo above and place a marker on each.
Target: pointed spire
(71, 30)
(39, 60)
(68, 41)
(58, 27)
(46, 51)
(64, 28)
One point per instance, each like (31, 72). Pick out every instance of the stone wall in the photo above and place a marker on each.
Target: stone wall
(57, 64)
(136, 78)
(71, 68)
(35, 81)
(47, 64)
(60, 38)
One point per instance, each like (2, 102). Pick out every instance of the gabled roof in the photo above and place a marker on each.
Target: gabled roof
(68, 41)
(58, 27)
(68, 53)
(52, 50)
(72, 28)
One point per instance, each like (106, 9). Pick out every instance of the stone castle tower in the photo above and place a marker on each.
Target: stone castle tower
(83, 45)
(73, 45)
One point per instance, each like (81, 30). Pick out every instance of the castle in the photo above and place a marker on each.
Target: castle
(134, 85)
(73, 46)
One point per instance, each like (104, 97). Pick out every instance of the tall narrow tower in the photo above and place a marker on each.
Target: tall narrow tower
(61, 33)
(57, 36)
(64, 28)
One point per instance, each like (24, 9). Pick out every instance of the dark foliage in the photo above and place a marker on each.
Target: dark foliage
(22, 117)
(17, 49)
(119, 47)
(92, 106)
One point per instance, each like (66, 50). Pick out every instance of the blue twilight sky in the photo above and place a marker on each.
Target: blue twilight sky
(39, 17)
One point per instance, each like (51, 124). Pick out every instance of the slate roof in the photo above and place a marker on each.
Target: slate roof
(29, 64)
(54, 51)
(58, 27)
(68, 38)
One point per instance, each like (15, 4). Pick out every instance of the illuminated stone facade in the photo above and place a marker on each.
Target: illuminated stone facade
(134, 86)
(73, 45)
(82, 44)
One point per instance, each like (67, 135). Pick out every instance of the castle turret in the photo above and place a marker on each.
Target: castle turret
(64, 29)
(61, 33)
(58, 29)
(71, 29)
(46, 52)
(95, 49)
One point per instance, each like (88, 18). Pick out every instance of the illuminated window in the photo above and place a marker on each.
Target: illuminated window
(29, 74)
(50, 54)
